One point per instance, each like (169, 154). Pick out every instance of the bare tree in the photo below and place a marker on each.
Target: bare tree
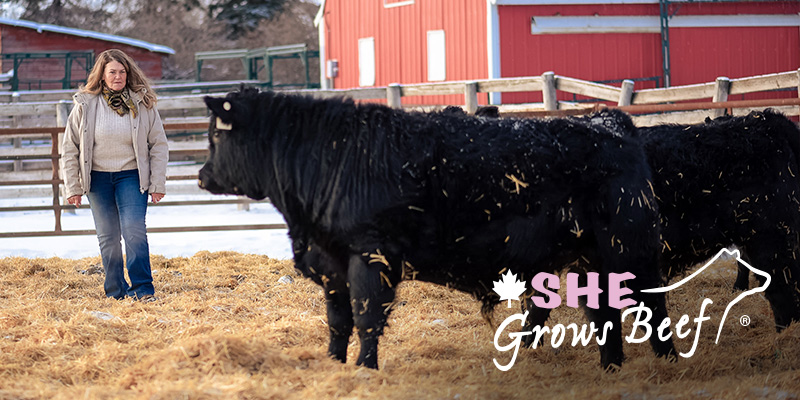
(72, 13)
(294, 26)
(184, 30)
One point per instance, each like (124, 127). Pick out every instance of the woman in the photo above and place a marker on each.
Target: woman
(115, 152)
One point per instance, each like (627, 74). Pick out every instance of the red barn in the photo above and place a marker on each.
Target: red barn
(375, 43)
(55, 57)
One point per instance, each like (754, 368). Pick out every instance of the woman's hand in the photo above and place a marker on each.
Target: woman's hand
(156, 197)
(74, 200)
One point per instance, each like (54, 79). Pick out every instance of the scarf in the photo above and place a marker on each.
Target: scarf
(120, 101)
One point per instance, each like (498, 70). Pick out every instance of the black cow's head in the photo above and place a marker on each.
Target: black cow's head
(232, 144)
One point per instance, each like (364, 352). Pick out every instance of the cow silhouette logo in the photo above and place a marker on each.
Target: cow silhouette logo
(736, 254)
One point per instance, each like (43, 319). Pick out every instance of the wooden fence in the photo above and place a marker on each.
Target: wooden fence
(55, 182)
(655, 102)
(680, 104)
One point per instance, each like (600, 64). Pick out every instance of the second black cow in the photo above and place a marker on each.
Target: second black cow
(732, 181)
(729, 181)
(386, 195)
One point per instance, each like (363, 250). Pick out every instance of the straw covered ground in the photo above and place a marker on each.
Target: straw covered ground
(230, 325)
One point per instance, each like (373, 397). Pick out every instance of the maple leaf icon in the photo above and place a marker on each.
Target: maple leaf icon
(509, 288)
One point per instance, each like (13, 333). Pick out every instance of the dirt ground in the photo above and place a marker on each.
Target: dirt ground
(230, 325)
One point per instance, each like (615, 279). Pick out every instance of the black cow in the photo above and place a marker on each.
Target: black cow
(774, 121)
(730, 181)
(373, 196)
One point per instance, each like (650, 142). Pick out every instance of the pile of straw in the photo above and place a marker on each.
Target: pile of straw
(230, 325)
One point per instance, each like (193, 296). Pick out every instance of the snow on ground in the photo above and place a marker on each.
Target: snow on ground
(273, 243)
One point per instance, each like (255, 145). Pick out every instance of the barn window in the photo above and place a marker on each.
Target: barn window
(436, 56)
(366, 62)
(397, 3)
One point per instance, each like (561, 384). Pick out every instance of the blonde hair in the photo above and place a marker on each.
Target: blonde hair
(136, 79)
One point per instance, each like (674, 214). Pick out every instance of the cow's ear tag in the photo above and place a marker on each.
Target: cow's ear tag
(226, 106)
(222, 125)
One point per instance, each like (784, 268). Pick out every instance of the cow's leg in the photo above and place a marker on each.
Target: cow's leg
(742, 273)
(628, 241)
(325, 270)
(372, 290)
(649, 278)
(340, 322)
(537, 316)
(742, 278)
(611, 354)
(632, 255)
(773, 255)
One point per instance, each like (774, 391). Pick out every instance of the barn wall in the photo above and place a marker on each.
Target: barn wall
(18, 39)
(732, 52)
(703, 54)
(697, 54)
(592, 57)
(401, 41)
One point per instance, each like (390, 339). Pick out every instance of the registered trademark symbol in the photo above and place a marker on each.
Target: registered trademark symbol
(744, 320)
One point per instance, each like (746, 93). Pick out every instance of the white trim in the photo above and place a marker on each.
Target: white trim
(320, 14)
(740, 20)
(157, 48)
(398, 4)
(493, 47)
(323, 56)
(650, 24)
(568, 2)
(552, 25)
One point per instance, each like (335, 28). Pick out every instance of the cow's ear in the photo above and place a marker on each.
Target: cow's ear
(222, 108)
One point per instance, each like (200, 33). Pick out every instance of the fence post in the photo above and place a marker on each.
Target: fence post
(62, 115)
(244, 205)
(393, 95)
(549, 91)
(626, 94)
(721, 90)
(471, 97)
(16, 141)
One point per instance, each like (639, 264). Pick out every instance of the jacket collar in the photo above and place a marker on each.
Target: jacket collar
(83, 97)
(137, 96)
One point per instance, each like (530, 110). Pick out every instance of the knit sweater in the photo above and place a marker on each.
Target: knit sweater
(113, 141)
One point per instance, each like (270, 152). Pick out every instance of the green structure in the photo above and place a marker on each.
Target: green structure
(84, 58)
(256, 60)
(201, 56)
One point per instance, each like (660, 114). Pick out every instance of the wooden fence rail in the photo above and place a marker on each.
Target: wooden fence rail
(658, 105)
(549, 84)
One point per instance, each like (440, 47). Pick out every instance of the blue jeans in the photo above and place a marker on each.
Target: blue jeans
(119, 209)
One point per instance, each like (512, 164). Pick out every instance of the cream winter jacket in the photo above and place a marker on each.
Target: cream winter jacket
(149, 145)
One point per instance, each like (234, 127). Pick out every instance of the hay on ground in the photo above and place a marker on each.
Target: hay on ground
(227, 326)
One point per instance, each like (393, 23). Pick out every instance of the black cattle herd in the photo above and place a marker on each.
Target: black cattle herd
(373, 196)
